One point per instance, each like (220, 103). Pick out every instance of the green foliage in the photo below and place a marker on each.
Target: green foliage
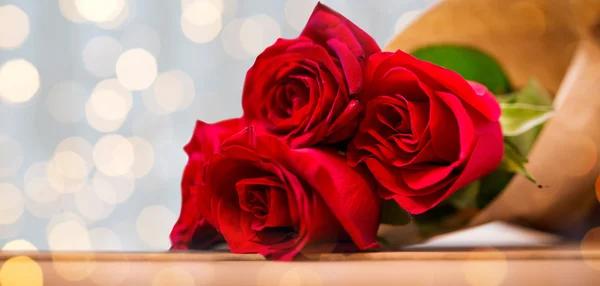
(467, 196)
(518, 118)
(513, 161)
(533, 93)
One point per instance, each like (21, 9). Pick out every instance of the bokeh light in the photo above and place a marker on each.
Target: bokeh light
(91, 206)
(144, 156)
(99, 10)
(597, 187)
(21, 271)
(113, 189)
(69, 235)
(136, 69)
(113, 155)
(75, 271)
(61, 217)
(78, 145)
(70, 12)
(230, 37)
(188, 88)
(19, 245)
(152, 223)
(68, 232)
(172, 91)
(11, 204)
(70, 165)
(43, 210)
(66, 101)
(110, 105)
(14, 27)
(218, 4)
(258, 32)
(98, 110)
(11, 156)
(100, 56)
(19, 81)
(201, 12)
(67, 172)
(168, 92)
(37, 185)
(201, 21)
(100, 123)
(124, 17)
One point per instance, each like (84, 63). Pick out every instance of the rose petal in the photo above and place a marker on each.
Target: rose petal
(453, 82)
(351, 66)
(348, 193)
(486, 156)
(325, 24)
(452, 130)
(207, 137)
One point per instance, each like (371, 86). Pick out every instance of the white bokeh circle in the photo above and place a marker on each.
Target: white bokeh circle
(14, 27)
(113, 155)
(19, 81)
(258, 32)
(136, 69)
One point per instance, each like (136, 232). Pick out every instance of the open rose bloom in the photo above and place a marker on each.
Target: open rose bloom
(426, 132)
(331, 127)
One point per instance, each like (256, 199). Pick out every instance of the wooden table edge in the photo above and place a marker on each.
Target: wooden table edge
(543, 253)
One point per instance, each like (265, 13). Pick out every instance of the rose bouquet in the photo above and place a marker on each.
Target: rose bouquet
(337, 138)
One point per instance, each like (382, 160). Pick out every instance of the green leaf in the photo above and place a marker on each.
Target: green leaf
(393, 214)
(466, 197)
(533, 93)
(518, 118)
(524, 142)
(470, 63)
(513, 161)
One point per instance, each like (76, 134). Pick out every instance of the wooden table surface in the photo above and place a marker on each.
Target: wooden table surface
(565, 265)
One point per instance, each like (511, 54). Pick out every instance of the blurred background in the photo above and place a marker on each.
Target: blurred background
(98, 98)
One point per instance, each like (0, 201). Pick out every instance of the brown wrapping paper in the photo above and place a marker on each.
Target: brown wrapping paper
(558, 43)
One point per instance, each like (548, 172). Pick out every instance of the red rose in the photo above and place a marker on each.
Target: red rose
(304, 90)
(192, 231)
(426, 131)
(266, 198)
